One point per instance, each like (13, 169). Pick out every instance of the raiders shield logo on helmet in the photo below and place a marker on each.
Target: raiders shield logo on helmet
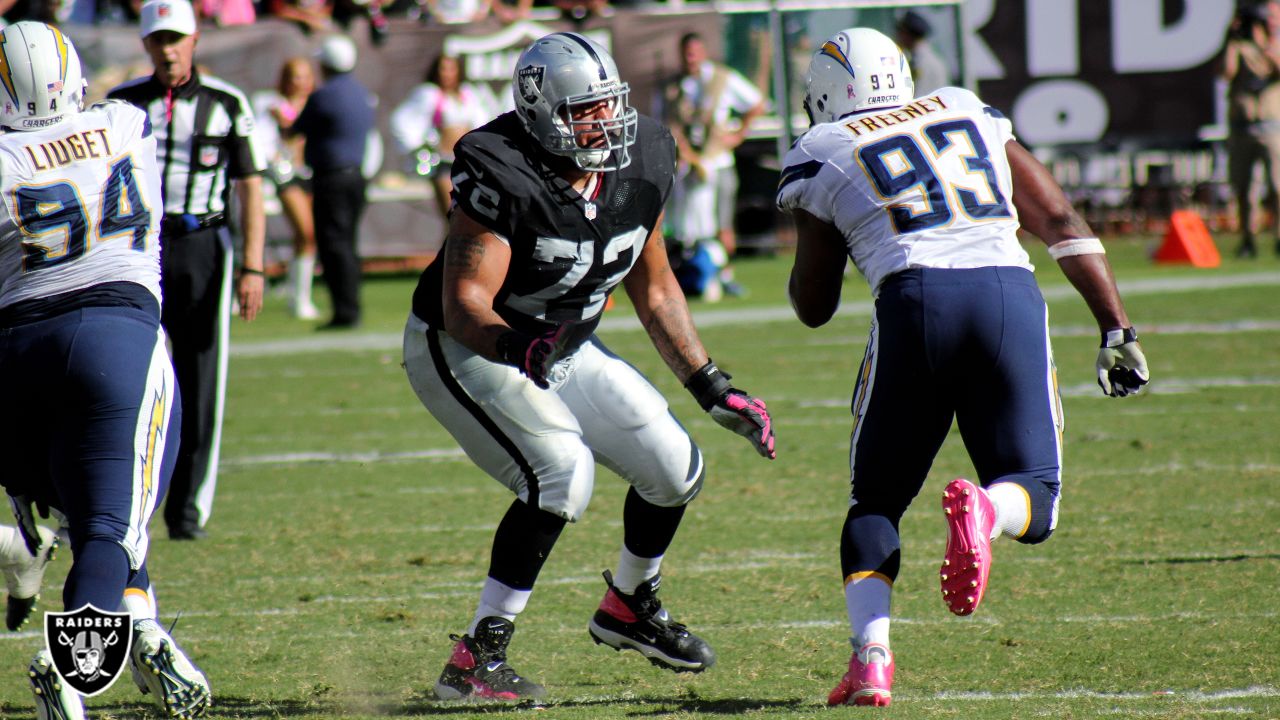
(531, 82)
(89, 646)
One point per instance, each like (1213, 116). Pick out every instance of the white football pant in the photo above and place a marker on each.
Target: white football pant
(543, 444)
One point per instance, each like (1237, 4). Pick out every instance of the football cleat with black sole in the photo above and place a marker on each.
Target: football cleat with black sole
(161, 669)
(478, 669)
(23, 575)
(54, 700)
(639, 622)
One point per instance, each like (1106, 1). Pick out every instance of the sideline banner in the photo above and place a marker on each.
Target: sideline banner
(1126, 71)
(401, 221)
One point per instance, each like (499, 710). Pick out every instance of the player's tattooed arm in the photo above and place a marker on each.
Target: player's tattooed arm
(662, 309)
(463, 254)
(671, 329)
(475, 266)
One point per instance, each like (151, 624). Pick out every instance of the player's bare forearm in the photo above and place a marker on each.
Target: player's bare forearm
(253, 224)
(670, 327)
(475, 264)
(818, 273)
(662, 309)
(1092, 277)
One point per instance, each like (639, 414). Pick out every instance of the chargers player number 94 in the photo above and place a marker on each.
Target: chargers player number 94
(57, 210)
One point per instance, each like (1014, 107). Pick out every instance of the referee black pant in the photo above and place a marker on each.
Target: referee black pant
(339, 198)
(196, 279)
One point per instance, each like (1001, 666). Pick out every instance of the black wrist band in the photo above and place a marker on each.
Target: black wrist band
(1116, 337)
(512, 346)
(707, 384)
(251, 271)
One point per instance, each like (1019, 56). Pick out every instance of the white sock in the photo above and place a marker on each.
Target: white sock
(633, 570)
(141, 605)
(867, 597)
(1013, 509)
(498, 600)
(304, 268)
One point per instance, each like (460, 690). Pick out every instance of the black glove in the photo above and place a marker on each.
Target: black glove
(733, 408)
(534, 356)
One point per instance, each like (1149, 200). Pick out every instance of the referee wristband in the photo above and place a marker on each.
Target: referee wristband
(1078, 246)
(252, 271)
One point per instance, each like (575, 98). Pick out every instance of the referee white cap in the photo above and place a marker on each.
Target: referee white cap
(175, 15)
(337, 53)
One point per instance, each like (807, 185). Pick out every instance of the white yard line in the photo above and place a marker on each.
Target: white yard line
(299, 458)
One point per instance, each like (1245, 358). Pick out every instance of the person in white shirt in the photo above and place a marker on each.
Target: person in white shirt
(926, 195)
(428, 123)
(699, 108)
(456, 12)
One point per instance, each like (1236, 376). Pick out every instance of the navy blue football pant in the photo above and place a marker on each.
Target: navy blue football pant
(968, 344)
(338, 203)
(91, 429)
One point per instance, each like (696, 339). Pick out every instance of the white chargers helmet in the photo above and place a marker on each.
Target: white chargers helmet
(561, 73)
(41, 74)
(856, 69)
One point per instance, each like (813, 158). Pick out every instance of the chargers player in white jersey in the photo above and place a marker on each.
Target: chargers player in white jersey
(83, 366)
(926, 196)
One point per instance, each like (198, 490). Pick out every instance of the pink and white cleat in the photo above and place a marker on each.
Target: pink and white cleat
(967, 564)
(869, 680)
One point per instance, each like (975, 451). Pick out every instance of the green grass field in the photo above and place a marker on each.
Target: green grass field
(350, 537)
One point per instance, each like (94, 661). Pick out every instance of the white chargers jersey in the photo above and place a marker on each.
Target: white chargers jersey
(926, 184)
(81, 205)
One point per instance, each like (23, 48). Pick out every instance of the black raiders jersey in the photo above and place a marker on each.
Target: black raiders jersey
(568, 252)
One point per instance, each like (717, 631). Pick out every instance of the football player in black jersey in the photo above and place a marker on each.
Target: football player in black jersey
(555, 204)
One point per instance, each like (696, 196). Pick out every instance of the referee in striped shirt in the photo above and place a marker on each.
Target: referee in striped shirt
(204, 144)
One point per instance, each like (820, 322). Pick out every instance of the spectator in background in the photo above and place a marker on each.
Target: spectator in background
(204, 155)
(344, 11)
(428, 123)
(275, 111)
(698, 106)
(225, 13)
(511, 13)
(577, 11)
(336, 123)
(45, 11)
(928, 69)
(313, 16)
(1251, 67)
(456, 12)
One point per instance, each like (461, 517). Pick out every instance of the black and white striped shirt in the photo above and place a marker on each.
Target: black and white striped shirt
(204, 139)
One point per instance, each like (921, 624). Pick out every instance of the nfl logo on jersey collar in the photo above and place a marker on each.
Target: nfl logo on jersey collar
(590, 210)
